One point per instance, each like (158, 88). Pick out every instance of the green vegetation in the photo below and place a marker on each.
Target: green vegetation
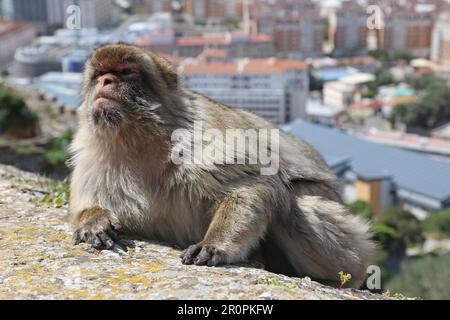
(362, 209)
(58, 153)
(387, 57)
(15, 117)
(433, 108)
(397, 224)
(315, 84)
(58, 196)
(4, 73)
(426, 277)
(344, 278)
(396, 230)
(383, 78)
(438, 224)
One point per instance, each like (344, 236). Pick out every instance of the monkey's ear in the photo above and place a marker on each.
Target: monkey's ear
(167, 71)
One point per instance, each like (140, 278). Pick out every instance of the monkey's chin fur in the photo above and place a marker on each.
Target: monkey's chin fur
(106, 112)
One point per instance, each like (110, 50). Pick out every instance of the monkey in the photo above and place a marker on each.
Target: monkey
(124, 181)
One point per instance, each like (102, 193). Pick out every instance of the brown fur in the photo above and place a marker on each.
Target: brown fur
(123, 174)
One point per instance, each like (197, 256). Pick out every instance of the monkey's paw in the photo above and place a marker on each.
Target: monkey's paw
(102, 232)
(203, 254)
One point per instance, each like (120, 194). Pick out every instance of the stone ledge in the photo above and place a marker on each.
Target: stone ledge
(38, 261)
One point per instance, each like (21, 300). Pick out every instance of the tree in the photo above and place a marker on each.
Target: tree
(433, 108)
(395, 230)
(58, 153)
(383, 78)
(424, 277)
(15, 117)
(4, 73)
(315, 84)
(438, 223)
(362, 209)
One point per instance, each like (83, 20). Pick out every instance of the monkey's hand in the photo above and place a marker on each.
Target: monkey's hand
(204, 254)
(239, 223)
(99, 228)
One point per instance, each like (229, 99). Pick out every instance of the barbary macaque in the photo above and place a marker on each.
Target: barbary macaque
(125, 180)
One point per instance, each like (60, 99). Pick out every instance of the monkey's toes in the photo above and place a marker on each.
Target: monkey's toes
(201, 255)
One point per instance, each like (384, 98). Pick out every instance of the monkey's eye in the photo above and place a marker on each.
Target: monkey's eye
(96, 74)
(128, 72)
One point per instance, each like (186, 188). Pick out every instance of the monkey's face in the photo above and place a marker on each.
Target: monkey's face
(125, 86)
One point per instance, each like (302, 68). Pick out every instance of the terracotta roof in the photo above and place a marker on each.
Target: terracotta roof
(271, 65)
(222, 39)
(9, 26)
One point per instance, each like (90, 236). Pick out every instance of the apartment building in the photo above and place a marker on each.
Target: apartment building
(272, 88)
(14, 35)
(94, 14)
(296, 26)
(348, 29)
(300, 36)
(49, 15)
(237, 44)
(213, 9)
(407, 30)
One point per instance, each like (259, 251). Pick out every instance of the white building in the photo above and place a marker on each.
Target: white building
(341, 93)
(271, 88)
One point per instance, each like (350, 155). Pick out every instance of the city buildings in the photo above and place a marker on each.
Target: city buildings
(238, 45)
(94, 14)
(38, 12)
(348, 29)
(407, 29)
(342, 93)
(381, 175)
(440, 46)
(300, 36)
(297, 27)
(272, 88)
(49, 15)
(213, 9)
(14, 35)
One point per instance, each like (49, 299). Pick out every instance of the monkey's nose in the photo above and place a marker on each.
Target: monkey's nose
(107, 80)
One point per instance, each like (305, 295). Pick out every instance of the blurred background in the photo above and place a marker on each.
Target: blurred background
(365, 82)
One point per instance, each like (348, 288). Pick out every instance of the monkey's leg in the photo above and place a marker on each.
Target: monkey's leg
(239, 222)
(97, 227)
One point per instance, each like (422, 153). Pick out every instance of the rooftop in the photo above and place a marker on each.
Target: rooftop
(270, 65)
(9, 26)
(222, 39)
(408, 170)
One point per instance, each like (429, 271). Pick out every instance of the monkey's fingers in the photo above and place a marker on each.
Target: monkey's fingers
(201, 255)
(210, 256)
(99, 240)
(188, 255)
(107, 241)
(76, 237)
(115, 223)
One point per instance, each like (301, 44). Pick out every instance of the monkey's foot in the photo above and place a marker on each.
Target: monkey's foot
(101, 231)
(203, 254)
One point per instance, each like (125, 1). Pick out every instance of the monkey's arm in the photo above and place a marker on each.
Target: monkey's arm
(239, 222)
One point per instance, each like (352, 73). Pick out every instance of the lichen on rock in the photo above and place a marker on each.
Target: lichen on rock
(39, 261)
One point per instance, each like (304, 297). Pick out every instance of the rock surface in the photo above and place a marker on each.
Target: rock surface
(38, 261)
